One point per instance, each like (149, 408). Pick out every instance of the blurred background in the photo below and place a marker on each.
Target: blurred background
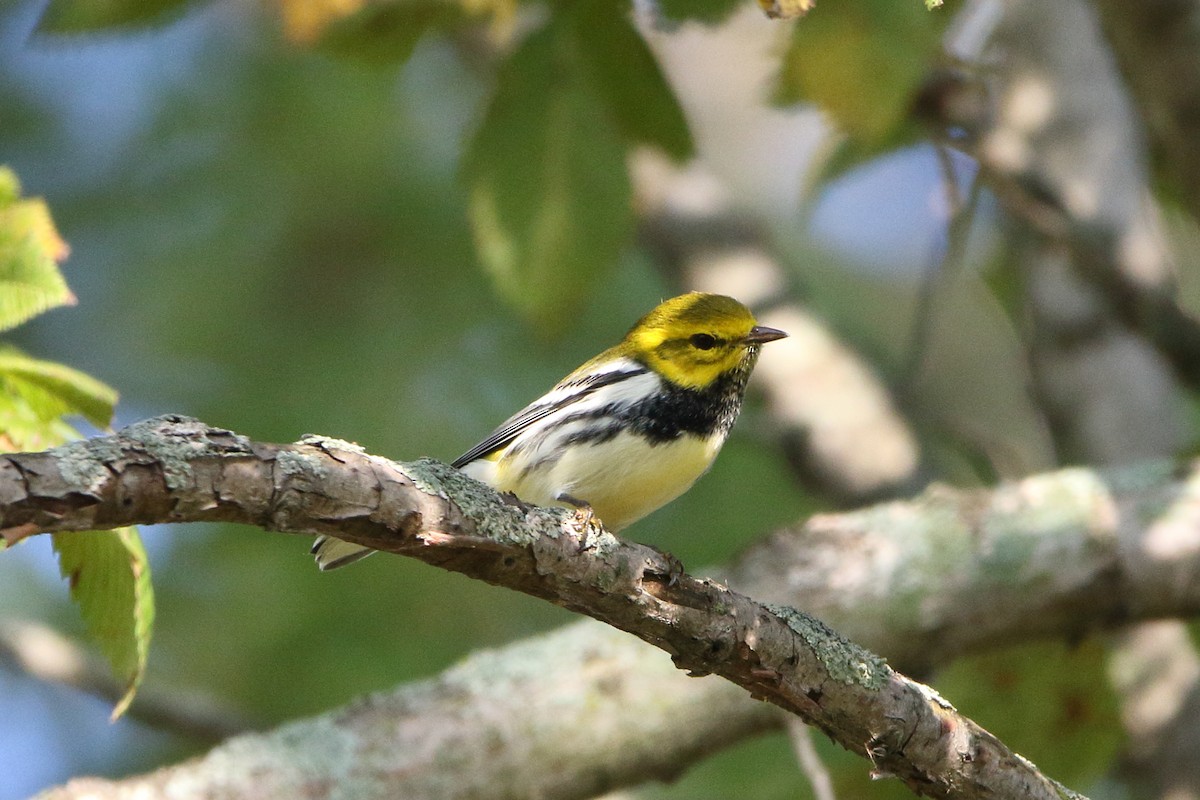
(275, 222)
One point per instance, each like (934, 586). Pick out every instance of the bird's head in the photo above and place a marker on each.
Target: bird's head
(693, 339)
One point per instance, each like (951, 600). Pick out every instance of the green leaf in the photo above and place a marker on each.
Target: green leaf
(549, 192)
(53, 390)
(629, 79)
(385, 33)
(30, 249)
(861, 63)
(109, 577)
(1050, 700)
(82, 16)
(10, 187)
(108, 571)
(23, 428)
(709, 12)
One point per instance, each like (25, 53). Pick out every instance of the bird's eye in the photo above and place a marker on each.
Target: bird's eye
(702, 341)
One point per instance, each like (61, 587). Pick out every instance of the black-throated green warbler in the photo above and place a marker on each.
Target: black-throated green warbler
(630, 430)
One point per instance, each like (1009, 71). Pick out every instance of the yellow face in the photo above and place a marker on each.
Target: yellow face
(694, 338)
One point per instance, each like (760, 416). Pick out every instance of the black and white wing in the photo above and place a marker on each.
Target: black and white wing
(332, 553)
(567, 393)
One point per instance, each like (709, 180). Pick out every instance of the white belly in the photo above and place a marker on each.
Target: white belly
(622, 479)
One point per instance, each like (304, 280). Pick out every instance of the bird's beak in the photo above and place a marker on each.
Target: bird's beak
(761, 334)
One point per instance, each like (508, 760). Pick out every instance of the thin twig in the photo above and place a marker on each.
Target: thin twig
(46, 655)
(945, 262)
(809, 759)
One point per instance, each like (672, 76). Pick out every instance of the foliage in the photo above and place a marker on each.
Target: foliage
(30, 249)
(547, 180)
(1049, 700)
(81, 16)
(549, 195)
(108, 572)
(290, 242)
(836, 62)
(109, 576)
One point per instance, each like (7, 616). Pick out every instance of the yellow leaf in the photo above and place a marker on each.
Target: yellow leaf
(30, 250)
(305, 20)
(786, 9)
(502, 12)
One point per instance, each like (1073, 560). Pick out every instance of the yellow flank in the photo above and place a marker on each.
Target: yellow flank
(623, 479)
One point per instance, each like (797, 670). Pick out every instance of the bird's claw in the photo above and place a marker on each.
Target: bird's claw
(511, 499)
(584, 521)
(675, 569)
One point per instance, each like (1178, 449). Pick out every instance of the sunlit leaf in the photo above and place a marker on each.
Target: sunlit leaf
(108, 572)
(305, 21)
(628, 77)
(861, 63)
(109, 578)
(549, 192)
(30, 249)
(80, 16)
(786, 9)
(22, 427)
(383, 30)
(501, 14)
(54, 390)
(10, 187)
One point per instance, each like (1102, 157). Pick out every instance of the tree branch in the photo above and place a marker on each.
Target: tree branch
(1103, 321)
(1157, 44)
(174, 469)
(1043, 107)
(961, 571)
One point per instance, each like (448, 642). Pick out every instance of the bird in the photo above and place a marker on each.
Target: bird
(629, 430)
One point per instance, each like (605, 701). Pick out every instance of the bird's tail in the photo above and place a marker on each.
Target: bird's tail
(332, 553)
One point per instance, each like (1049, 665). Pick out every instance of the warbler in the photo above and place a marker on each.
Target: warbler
(628, 431)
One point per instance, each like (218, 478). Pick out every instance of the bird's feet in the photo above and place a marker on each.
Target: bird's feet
(675, 569)
(511, 499)
(584, 518)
